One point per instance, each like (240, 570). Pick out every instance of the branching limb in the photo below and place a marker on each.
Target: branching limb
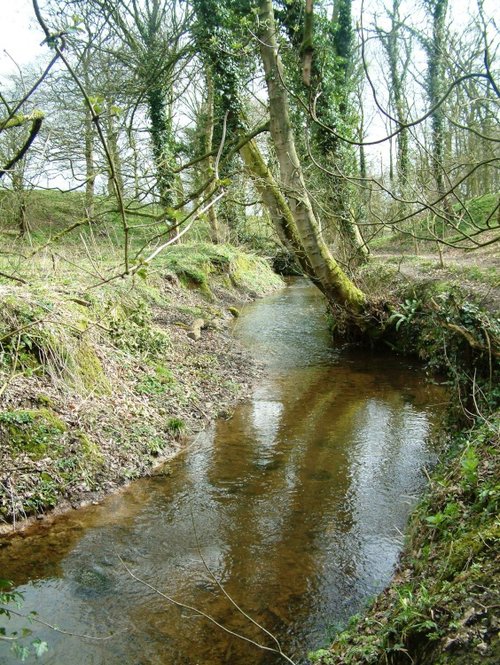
(203, 614)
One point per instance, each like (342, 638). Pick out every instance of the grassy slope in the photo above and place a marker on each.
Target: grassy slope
(99, 381)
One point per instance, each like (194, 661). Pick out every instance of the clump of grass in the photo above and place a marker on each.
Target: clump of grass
(176, 426)
(42, 333)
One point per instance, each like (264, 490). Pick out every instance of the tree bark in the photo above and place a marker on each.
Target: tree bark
(89, 165)
(209, 135)
(435, 52)
(330, 277)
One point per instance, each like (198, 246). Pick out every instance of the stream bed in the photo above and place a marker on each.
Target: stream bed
(294, 507)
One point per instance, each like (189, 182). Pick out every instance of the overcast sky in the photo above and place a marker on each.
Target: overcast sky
(19, 36)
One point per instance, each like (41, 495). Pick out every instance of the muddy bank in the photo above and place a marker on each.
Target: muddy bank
(99, 388)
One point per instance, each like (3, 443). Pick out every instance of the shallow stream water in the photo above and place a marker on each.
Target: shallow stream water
(295, 506)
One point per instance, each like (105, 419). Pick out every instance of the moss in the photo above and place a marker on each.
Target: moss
(90, 371)
(36, 432)
(45, 400)
(253, 274)
(465, 549)
(88, 448)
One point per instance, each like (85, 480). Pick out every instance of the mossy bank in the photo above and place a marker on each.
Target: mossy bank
(442, 606)
(100, 384)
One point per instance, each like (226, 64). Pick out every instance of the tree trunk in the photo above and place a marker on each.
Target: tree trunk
(209, 135)
(435, 52)
(20, 194)
(89, 166)
(275, 202)
(161, 139)
(330, 278)
(114, 150)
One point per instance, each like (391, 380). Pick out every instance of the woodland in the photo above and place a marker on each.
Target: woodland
(164, 159)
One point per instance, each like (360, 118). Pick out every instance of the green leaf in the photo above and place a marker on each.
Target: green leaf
(40, 647)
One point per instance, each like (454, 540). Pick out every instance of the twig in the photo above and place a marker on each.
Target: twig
(201, 613)
(231, 600)
(16, 279)
(30, 617)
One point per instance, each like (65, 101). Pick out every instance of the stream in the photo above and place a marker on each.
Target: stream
(294, 507)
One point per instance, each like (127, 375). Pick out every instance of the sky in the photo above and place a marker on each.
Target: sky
(20, 35)
(21, 39)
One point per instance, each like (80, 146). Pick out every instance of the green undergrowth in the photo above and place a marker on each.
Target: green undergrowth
(197, 265)
(97, 383)
(442, 605)
(446, 325)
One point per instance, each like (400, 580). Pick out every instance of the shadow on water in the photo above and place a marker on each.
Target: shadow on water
(296, 505)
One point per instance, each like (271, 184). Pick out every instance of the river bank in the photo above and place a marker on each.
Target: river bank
(100, 385)
(442, 604)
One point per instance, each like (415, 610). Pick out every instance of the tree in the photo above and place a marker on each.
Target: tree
(152, 48)
(325, 47)
(398, 66)
(330, 277)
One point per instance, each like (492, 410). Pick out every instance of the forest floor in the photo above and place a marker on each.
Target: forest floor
(476, 272)
(100, 386)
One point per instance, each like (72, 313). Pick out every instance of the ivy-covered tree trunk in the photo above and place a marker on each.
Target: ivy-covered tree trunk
(17, 178)
(209, 139)
(161, 138)
(330, 277)
(391, 43)
(339, 154)
(436, 49)
(325, 50)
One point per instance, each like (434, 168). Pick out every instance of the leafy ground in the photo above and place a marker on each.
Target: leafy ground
(99, 383)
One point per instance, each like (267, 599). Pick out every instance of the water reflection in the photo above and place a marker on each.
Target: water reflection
(295, 505)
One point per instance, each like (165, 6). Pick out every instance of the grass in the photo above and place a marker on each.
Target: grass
(93, 253)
